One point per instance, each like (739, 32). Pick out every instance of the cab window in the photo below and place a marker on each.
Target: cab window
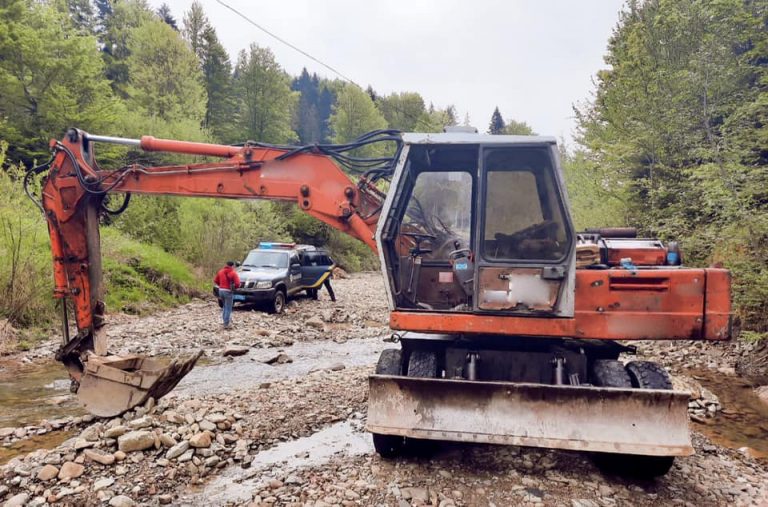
(523, 217)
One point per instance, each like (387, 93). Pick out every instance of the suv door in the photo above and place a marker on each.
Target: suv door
(314, 265)
(294, 272)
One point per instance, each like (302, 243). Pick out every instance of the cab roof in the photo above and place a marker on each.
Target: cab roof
(472, 138)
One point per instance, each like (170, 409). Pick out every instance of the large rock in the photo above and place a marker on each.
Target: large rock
(201, 440)
(99, 457)
(92, 432)
(415, 493)
(177, 450)
(136, 441)
(71, 470)
(141, 422)
(235, 350)
(17, 500)
(315, 322)
(47, 473)
(103, 483)
(115, 432)
(121, 501)
(167, 440)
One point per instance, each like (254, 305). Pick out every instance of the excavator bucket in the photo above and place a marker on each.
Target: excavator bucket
(112, 385)
(583, 418)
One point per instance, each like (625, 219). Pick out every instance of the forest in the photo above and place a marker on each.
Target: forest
(672, 140)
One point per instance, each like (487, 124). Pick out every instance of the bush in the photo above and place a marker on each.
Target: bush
(26, 282)
(133, 272)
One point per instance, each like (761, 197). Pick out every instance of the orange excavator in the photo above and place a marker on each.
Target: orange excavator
(509, 321)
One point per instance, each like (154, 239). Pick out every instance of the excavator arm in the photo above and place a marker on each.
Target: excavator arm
(73, 195)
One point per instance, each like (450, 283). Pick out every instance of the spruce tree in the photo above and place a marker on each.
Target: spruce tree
(497, 123)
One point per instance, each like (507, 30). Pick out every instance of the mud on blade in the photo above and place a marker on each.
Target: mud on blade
(111, 385)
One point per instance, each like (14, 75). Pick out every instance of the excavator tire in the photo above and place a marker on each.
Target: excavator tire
(641, 375)
(390, 363)
(648, 375)
(610, 373)
(422, 363)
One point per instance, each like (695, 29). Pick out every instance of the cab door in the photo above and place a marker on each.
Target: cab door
(524, 245)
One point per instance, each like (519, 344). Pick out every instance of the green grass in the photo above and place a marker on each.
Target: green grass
(141, 278)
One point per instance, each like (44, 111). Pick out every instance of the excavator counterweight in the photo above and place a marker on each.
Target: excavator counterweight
(509, 320)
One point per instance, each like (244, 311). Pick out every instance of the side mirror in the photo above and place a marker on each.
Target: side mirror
(237, 264)
(295, 267)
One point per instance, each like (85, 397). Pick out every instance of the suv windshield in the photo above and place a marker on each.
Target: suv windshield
(262, 259)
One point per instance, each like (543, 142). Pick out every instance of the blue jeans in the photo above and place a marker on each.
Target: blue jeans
(226, 311)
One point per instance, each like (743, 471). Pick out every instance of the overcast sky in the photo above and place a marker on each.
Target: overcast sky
(533, 59)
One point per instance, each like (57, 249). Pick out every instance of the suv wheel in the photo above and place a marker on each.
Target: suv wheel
(278, 303)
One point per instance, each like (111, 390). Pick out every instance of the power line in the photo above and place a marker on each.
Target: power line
(280, 39)
(301, 51)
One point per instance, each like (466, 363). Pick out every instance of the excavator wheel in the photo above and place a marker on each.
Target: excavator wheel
(641, 375)
(422, 363)
(610, 373)
(648, 375)
(390, 363)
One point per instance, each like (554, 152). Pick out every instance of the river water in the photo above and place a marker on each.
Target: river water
(30, 394)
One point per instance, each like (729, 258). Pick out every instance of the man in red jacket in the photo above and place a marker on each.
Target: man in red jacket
(227, 280)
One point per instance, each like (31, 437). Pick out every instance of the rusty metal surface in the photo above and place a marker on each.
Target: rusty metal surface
(611, 304)
(582, 418)
(521, 289)
(114, 384)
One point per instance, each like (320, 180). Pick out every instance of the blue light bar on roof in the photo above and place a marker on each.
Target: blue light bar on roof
(267, 245)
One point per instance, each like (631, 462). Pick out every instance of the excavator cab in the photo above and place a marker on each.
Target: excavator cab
(479, 227)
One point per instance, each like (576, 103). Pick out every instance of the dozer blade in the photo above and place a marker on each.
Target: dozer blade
(583, 418)
(112, 385)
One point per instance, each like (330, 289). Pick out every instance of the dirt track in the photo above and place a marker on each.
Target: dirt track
(241, 431)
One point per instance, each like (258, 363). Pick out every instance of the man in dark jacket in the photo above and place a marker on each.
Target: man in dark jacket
(227, 280)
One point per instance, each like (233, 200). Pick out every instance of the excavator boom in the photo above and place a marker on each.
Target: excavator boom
(72, 199)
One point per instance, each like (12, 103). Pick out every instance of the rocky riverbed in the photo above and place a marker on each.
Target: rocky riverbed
(275, 415)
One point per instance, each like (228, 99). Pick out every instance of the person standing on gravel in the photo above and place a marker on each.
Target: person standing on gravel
(227, 280)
